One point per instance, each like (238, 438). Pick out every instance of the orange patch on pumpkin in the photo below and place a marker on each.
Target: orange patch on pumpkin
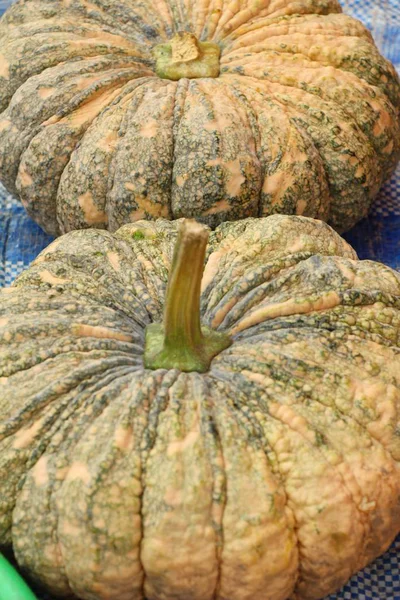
(4, 67)
(297, 246)
(45, 92)
(103, 37)
(24, 178)
(233, 172)
(181, 179)
(286, 308)
(182, 445)
(86, 82)
(235, 179)
(383, 123)
(108, 143)
(79, 470)
(123, 437)
(40, 471)
(173, 497)
(277, 184)
(220, 206)
(145, 206)
(90, 6)
(96, 331)
(51, 121)
(388, 149)
(87, 112)
(346, 272)
(69, 529)
(92, 214)
(301, 206)
(359, 172)
(25, 436)
(150, 129)
(114, 260)
(286, 414)
(215, 162)
(211, 269)
(48, 277)
(218, 124)
(5, 124)
(259, 378)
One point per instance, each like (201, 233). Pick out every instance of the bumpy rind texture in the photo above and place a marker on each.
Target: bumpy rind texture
(303, 119)
(275, 475)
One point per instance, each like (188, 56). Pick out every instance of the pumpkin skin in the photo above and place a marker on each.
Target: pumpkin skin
(273, 475)
(303, 118)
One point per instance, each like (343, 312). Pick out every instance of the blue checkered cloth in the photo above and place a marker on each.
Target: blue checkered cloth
(375, 238)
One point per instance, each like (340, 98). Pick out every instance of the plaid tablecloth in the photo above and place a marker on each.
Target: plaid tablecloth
(377, 238)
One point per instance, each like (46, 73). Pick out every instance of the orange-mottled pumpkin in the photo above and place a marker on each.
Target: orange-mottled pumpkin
(216, 109)
(253, 455)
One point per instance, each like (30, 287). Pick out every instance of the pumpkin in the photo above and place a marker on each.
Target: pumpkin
(112, 112)
(242, 444)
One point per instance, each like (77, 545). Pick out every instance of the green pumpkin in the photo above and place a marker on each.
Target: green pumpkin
(112, 111)
(241, 445)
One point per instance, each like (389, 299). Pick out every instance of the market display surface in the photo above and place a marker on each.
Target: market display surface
(376, 237)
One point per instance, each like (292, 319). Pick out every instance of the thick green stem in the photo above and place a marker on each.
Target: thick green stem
(185, 56)
(182, 307)
(180, 342)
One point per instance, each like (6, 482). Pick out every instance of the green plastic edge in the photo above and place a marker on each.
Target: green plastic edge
(12, 586)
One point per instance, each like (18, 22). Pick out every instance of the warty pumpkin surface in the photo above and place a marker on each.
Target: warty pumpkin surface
(257, 107)
(272, 475)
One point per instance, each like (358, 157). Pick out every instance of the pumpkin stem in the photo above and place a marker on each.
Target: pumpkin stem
(185, 56)
(180, 342)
